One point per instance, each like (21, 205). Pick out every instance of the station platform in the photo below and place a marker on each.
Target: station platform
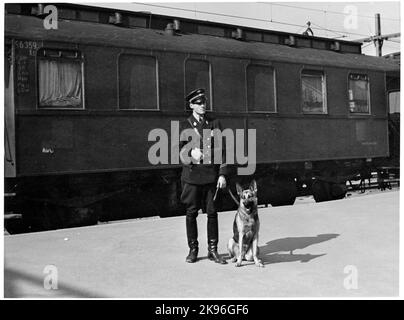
(344, 248)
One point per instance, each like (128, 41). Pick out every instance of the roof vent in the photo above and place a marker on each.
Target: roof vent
(177, 25)
(291, 41)
(169, 30)
(116, 19)
(335, 46)
(238, 34)
(38, 10)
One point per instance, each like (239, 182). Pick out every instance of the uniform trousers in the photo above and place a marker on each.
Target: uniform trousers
(196, 197)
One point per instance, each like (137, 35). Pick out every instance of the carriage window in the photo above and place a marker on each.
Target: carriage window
(138, 82)
(358, 93)
(197, 75)
(60, 79)
(7, 66)
(260, 88)
(394, 102)
(313, 92)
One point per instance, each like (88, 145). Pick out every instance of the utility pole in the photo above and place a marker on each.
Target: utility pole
(378, 37)
(379, 41)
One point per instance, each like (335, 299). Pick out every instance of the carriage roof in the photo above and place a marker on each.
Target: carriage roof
(91, 33)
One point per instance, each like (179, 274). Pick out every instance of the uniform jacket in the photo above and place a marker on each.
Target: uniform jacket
(206, 171)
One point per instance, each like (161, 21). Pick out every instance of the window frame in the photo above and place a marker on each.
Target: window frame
(324, 90)
(369, 112)
(156, 77)
(210, 81)
(80, 59)
(275, 88)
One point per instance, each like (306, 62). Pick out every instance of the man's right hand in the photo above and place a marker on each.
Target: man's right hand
(196, 154)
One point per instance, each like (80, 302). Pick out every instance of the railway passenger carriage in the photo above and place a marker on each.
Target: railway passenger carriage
(82, 99)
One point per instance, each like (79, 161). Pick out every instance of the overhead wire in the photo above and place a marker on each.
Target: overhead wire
(340, 34)
(326, 29)
(325, 11)
(366, 45)
(249, 18)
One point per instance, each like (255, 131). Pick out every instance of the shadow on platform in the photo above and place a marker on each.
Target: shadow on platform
(16, 282)
(269, 252)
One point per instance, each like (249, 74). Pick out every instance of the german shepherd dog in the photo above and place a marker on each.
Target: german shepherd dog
(244, 244)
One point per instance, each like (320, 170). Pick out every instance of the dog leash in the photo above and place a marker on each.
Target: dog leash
(231, 194)
(233, 197)
(214, 197)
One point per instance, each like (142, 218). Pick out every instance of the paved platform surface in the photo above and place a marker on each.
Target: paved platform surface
(344, 248)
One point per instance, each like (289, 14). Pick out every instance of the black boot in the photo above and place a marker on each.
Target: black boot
(213, 254)
(193, 251)
(192, 236)
(213, 239)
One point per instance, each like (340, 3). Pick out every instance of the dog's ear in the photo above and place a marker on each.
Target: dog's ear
(253, 186)
(239, 189)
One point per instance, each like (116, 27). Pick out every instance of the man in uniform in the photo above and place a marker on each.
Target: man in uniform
(201, 178)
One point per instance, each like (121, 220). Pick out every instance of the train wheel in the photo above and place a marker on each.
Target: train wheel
(283, 191)
(321, 191)
(41, 216)
(83, 216)
(327, 191)
(338, 190)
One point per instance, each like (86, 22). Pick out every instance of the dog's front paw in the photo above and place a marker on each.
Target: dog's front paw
(238, 264)
(259, 264)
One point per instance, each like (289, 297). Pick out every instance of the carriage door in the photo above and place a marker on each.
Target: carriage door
(394, 125)
(9, 113)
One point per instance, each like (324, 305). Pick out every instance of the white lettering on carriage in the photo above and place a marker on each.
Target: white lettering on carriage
(47, 150)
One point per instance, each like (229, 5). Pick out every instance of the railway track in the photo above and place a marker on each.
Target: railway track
(13, 221)
(387, 178)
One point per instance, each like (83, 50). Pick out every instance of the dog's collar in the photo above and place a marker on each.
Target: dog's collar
(246, 210)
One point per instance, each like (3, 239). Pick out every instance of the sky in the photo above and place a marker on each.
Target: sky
(341, 20)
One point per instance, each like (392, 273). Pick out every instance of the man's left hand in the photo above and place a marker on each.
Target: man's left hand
(221, 182)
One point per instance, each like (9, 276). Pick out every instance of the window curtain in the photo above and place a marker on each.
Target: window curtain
(358, 96)
(394, 101)
(312, 88)
(60, 83)
(360, 89)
